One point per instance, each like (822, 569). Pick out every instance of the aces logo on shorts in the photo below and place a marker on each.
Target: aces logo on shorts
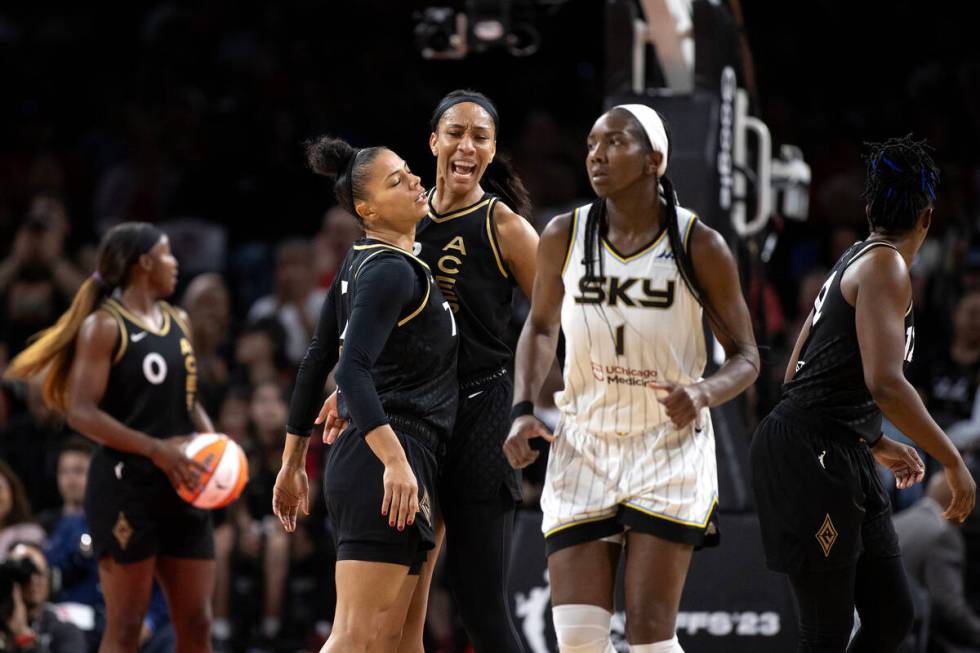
(827, 535)
(425, 506)
(122, 531)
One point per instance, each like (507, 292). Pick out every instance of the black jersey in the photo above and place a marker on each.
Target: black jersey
(462, 250)
(829, 374)
(402, 370)
(153, 380)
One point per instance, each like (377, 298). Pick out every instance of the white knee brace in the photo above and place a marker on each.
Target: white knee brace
(582, 629)
(666, 646)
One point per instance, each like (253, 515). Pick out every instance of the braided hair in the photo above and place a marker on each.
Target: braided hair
(901, 181)
(597, 225)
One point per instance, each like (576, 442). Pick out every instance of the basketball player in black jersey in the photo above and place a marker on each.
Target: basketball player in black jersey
(387, 327)
(479, 248)
(825, 517)
(120, 367)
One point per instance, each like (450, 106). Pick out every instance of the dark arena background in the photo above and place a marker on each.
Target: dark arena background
(192, 115)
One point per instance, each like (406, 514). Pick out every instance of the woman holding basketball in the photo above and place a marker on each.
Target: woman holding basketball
(387, 328)
(120, 366)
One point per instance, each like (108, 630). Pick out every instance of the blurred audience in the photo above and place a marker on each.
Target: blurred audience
(37, 277)
(338, 231)
(934, 554)
(297, 299)
(16, 522)
(54, 632)
(208, 305)
(948, 379)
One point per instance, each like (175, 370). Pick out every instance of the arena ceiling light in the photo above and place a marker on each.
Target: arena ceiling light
(489, 22)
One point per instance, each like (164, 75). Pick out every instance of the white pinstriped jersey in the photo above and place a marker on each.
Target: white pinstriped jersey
(639, 324)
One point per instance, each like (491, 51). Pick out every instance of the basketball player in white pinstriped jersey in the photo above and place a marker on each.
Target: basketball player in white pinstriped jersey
(632, 461)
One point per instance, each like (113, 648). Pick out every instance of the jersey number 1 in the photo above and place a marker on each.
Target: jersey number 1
(621, 340)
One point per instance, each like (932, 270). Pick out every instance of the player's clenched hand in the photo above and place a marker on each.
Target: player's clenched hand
(964, 490)
(519, 453)
(168, 454)
(291, 491)
(333, 425)
(682, 402)
(902, 460)
(401, 500)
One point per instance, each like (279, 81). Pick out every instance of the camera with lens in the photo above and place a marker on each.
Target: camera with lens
(13, 572)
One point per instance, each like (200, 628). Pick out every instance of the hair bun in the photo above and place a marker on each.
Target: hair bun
(329, 156)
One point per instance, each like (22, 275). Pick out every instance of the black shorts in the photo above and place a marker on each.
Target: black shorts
(353, 487)
(821, 502)
(134, 513)
(475, 467)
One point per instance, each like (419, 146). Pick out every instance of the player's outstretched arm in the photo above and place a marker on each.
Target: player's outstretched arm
(728, 317)
(321, 357)
(518, 245)
(884, 292)
(539, 339)
(292, 488)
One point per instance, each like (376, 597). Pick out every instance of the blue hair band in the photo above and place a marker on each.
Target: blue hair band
(890, 164)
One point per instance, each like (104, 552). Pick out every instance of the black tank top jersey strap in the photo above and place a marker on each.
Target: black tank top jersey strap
(415, 374)
(462, 249)
(153, 380)
(829, 374)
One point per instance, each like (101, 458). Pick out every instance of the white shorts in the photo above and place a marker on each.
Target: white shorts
(663, 482)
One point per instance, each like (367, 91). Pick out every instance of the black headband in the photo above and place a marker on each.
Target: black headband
(147, 238)
(350, 178)
(459, 99)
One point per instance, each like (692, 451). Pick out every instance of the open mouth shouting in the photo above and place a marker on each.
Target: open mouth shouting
(463, 171)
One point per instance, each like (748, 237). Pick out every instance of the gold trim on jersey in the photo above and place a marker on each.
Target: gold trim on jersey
(571, 241)
(581, 522)
(428, 290)
(428, 286)
(184, 326)
(460, 213)
(687, 232)
(365, 262)
(493, 239)
(123, 333)
(869, 246)
(394, 249)
(677, 520)
(632, 257)
(162, 331)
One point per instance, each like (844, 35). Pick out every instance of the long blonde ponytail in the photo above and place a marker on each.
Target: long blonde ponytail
(52, 351)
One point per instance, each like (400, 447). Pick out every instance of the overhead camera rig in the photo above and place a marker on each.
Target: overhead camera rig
(445, 32)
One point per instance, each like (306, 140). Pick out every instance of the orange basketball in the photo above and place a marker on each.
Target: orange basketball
(227, 471)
